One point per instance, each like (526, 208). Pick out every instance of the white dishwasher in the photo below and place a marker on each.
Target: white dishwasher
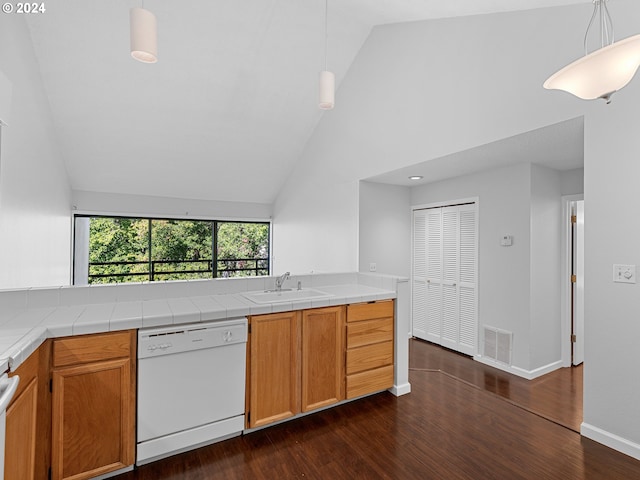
(191, 383)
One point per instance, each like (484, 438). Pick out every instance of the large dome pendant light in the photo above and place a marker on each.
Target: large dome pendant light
(327, 78)
(603, 72)
(144, 35)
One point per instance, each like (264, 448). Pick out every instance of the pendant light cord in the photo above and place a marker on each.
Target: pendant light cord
(606, 25)
(326, 32)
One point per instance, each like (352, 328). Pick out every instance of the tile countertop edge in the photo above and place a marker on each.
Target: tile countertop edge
(30, 342)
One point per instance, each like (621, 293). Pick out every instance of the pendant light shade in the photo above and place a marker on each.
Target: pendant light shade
(144, 35)
(601, 73)
(327, 78)
(327, 90)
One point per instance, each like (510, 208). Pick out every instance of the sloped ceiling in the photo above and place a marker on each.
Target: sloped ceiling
(230, 105)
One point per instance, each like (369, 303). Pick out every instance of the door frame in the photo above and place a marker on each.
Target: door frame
(565, 293)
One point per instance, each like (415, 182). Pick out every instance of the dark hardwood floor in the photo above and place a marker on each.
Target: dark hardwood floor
(556, 396)
(447, 428)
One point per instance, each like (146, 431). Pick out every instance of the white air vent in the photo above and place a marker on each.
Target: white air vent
(497, 344)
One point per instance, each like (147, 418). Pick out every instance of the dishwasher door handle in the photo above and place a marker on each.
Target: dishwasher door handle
(10, 386)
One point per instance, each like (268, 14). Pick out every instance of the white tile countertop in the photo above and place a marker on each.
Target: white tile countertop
(29, 317)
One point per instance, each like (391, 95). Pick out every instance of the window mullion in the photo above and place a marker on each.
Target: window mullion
(214, 249)
(149, 250)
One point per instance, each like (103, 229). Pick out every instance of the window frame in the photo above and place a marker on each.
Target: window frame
(214, 221)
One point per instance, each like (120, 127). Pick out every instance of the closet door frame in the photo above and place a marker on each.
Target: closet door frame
(448, 203)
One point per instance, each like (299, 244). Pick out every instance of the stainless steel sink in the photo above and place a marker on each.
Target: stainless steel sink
(273, 296)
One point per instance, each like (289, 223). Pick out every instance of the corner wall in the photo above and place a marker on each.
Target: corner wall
(35, 225)
(545, 269)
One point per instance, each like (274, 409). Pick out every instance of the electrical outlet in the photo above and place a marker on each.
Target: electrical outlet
(372, 267)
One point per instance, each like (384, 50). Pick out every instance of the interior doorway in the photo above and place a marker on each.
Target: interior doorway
(573, 281)
(577, 310)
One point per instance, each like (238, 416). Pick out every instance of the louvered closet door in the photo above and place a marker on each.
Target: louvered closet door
(445, 277)
(450, 274)
(468, 280)
(433, 301)
(419, 284)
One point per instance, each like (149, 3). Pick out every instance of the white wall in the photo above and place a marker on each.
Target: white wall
(418, 91)
(545, 261)
(385, 228)
(572, 181)
(143, 205)
(503, 272)
(35, 224)
(612, 235)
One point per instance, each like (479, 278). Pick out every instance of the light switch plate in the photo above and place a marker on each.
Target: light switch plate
(624, 273)
(506, 240)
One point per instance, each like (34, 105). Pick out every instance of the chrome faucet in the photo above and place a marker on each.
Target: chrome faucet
(280, 280)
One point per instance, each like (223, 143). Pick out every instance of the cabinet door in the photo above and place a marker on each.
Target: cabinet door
(93, 419)
(274, 371)
(322, 357)
(21, 434)
(28, 430)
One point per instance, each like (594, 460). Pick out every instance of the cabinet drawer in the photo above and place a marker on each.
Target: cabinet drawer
(369, 311)
(92, 348)
(370, 381)
(370, 331)
(369, 357)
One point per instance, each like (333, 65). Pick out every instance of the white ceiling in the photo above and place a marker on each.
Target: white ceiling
(559, 146)
(229, 107)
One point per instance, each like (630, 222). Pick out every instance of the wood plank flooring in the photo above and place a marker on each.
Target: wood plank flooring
(447, 428)
(556, 396)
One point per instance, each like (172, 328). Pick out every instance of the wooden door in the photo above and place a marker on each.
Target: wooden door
(323, 357)
(274, 368)
(93, 419)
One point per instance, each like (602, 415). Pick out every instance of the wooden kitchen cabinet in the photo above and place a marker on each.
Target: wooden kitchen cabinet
(370, 356)
(273, 368)
(27, 453)
(296, 363)
(93, 404)
(322, 357)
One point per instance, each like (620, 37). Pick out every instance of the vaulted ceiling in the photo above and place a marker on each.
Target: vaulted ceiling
(232, 101)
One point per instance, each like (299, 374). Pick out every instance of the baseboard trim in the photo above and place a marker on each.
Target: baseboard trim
(399, 390)
(520, 372)
(610, 440)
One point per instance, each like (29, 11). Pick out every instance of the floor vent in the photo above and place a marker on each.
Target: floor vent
(497, 344)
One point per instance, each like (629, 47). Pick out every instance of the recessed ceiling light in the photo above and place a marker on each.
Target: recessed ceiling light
(415, 177)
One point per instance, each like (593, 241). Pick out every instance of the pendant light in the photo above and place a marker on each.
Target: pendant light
(144, 35)
(603, 72)
(327, 78)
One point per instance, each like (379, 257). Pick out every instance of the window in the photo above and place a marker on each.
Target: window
(124, 249)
